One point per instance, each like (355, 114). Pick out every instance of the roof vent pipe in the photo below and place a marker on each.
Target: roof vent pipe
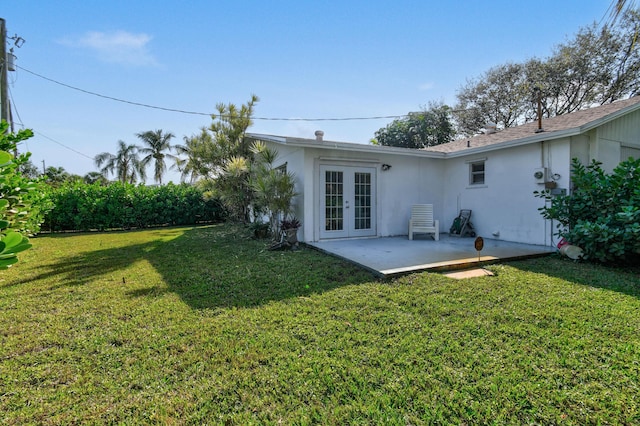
(319, 135)
(538, 93)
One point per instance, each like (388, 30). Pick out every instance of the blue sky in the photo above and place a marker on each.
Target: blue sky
(304, 59)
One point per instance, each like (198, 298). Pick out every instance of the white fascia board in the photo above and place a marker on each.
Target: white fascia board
(346, 146)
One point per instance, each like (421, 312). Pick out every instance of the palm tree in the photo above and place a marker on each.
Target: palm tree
(125, 163)
(188, 163)
(157, 149)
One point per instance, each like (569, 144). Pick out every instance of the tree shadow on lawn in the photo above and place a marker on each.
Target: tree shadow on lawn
(623, 280)
(84, 267)
(208, 267)
(220, 267)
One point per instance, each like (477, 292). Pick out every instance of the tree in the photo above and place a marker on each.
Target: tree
(125, 163)
(157, 149)
(500, 96)
(417, 130)
(221, 154)
(189, 167)
(596, 66)
(29, 170)
(56, 176)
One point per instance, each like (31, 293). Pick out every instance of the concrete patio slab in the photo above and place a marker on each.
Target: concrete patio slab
(391, 256)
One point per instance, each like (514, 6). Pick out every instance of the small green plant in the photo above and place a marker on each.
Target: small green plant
(602, 213)
(260, 229)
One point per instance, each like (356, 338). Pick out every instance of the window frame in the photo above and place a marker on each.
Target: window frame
(477, 178)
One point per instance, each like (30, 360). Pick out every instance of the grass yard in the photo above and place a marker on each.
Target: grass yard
(205, 326)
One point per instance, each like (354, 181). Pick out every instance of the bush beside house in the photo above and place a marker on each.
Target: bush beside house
(602, 213)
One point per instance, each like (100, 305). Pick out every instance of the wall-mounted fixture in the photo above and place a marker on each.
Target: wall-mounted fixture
(540, 175)
(556, 176)
(559, 191)
(385, 167)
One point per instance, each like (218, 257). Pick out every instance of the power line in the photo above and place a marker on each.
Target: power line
(110, 97)
(63, 145)
(13, 106)
(140, 104)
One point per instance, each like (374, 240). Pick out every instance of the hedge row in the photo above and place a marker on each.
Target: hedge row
(83, 207)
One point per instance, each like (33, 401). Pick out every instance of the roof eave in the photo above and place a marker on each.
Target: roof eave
(346, 146)
(538, 137)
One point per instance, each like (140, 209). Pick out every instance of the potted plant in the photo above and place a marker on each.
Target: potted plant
(260, 229)
(290, 229)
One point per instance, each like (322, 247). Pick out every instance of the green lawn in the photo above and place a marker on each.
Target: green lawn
(206, 326)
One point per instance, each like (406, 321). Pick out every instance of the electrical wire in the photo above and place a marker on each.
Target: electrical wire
(13, 106)
(63, 145)
(140, 104)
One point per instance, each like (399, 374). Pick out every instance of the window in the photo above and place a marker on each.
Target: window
(476, 173)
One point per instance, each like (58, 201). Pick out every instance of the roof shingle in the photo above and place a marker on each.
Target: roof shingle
(553, 127)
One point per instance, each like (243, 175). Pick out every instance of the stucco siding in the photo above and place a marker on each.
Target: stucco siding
(501, 195)
(410, 181)
(504, 207)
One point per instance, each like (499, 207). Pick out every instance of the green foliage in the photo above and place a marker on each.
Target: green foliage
(11, 244)
(23, 200)
(274, 188)
(597, 66)
(423, 129)
(83, 207)
(56, 175)
(125, 164)
(221, 155)
(156, 149)
(602, 213)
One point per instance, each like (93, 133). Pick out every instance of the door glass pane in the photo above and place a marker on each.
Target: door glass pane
(334, 200)
(362, 200)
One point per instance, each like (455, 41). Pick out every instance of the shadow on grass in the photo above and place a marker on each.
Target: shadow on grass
(84, 267)
(623, 280)
(208, 267)
(221, 266)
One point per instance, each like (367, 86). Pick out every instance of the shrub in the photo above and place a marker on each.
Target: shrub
(82, 207)
(23, 200)
(602, 213)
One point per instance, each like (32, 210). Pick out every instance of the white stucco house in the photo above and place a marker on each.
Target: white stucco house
(350, 190)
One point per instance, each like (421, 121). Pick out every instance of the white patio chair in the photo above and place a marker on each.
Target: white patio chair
(422, 221)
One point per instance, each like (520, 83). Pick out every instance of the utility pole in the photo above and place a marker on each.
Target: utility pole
(4, 90)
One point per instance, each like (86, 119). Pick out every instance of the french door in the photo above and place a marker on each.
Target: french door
(347, 201)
